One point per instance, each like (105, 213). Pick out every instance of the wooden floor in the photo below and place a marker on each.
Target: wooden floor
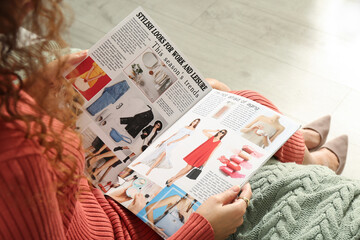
(303, 55)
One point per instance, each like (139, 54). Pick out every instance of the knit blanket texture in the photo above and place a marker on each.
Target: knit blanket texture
(292, 201)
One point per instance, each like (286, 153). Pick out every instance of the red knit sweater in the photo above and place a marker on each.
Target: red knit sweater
(31, 208)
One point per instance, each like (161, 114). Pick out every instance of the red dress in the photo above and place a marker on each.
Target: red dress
(202, 153)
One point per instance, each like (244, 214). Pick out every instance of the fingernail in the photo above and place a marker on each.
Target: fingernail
(83, 53)
(236, 188)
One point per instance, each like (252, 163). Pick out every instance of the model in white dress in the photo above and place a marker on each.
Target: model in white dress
(161, 157)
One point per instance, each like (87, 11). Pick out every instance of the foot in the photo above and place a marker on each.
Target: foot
(89, 156)
(118, 148)
(318, 129)
(339, 147)
(326, 158)
(312, 138)
(135, 164)
(169, 182)
(93, 177)
(90, 170)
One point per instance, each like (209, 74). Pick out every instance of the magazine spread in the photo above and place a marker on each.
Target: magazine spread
(157, 138)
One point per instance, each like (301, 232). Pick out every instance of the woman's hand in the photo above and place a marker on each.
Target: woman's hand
(51, 70)
(51, 78)
(225, 211)
(50, 73)
(137, 204)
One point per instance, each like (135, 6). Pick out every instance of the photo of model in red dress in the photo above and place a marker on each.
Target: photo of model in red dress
(199, 157)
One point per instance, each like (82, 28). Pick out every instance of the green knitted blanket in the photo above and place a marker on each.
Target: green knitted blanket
(292, 201)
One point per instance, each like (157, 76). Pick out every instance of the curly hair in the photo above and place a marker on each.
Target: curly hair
(23, 69)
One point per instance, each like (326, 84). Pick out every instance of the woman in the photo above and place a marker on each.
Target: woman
(200, 156)
(160, 158)
(43, 193)
(148, 135)
(41, 165)
(263, 130)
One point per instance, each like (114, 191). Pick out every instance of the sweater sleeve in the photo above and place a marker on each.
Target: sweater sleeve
(196, 227)
(28, 204)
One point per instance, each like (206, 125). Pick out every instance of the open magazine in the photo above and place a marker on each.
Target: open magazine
(157, 138)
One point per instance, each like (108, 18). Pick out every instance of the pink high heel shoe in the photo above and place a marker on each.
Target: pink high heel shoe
(339, 146)
(322, 127)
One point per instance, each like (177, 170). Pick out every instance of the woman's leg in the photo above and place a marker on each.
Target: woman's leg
(89, 151)
(157, 162)
(105, 165)
(101, 156)
(322, 157)
(104, 175)
(135, 164)
(128, 157)
(181, 173)
(100, 150)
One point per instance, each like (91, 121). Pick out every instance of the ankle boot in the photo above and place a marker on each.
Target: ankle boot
(126, 159)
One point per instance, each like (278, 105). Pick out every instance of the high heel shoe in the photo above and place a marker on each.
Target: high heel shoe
(88, 163)
(339, 147)
(322, 127)
(167, 183)
(118, 148)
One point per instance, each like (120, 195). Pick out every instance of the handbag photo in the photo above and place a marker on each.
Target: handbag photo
(194, 173)
(171, 220)
(118, 137)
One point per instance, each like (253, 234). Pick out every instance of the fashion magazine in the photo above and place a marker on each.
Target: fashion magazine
(157, 138)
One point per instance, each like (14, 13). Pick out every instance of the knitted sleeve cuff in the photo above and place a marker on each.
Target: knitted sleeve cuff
(196, 227)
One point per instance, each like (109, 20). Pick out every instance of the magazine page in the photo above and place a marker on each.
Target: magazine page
(135, 84)
(219, 143)
(136, 59)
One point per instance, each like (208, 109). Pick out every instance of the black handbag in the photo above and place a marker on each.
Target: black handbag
(194, 173)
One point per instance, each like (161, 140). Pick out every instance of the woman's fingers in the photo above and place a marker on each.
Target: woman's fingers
(225, 211)
(75, 58)
(246, 191)
(51, 70)
(228, 196)
(245, 194)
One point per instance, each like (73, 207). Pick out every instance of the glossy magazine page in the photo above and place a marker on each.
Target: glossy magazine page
(157, 138)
